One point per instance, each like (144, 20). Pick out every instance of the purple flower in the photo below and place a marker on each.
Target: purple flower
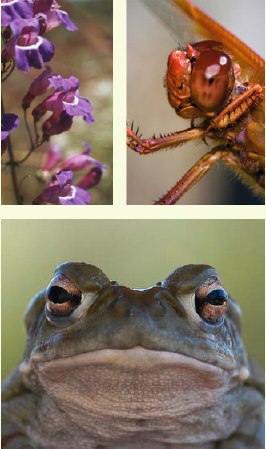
(73, 163)
(38, 87)
(8, 123)
(56, 124)
(78, 162)
(81, 161)
(63, 192)
(65, 103)
(67, 97)
(54, 156)
(87, 146)
(92, 178)
(15, 9)
(27, 47)
(46, 12)
(49, 12)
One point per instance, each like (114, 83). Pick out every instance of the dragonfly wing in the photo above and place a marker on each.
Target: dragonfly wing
(191, 24)
(181, 28)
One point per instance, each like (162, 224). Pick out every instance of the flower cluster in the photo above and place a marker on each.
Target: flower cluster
(26, 22)
(61, 189)
(64, 103)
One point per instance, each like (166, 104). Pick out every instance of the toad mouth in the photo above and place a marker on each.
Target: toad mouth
(136, 358)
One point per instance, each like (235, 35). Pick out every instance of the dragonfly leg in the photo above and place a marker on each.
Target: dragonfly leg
(202, 166)
(146, 146)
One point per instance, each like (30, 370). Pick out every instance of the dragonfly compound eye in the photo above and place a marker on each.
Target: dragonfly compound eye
(212, 80)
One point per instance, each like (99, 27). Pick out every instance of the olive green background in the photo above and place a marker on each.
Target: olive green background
(136, 253)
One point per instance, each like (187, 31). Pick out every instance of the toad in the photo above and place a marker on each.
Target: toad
(107, 366)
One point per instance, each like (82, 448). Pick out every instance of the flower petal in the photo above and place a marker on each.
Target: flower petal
(56, 124)
(33, 55)
(38, 87)
(75, 197)
(92, 178)
(8, 123)
(55, 16)
(64, 177)
(54, 156)
(80, 106)
(15, 9)
(77, 162)
(88, 147)
(63, 192)
(64, 84)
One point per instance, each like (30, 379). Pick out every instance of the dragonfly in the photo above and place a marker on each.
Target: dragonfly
(233, 132)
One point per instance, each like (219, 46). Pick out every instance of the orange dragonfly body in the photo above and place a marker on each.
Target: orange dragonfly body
(228, 114)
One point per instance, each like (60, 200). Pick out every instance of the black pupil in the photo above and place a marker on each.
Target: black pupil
(59, 295)
(216, 297)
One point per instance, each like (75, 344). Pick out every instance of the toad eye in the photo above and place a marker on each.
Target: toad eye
(62, 296)
(212, 307)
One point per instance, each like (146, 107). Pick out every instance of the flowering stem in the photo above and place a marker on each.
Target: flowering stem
(37, 145)
(32, 145)
(36, 131)
(27, 126)
(18, 196)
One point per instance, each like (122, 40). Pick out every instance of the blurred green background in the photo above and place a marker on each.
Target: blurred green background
(88, 55)
(136, 253)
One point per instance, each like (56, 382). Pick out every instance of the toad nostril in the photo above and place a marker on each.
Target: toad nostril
(127, 304)
(157, 308)
(120, 307)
